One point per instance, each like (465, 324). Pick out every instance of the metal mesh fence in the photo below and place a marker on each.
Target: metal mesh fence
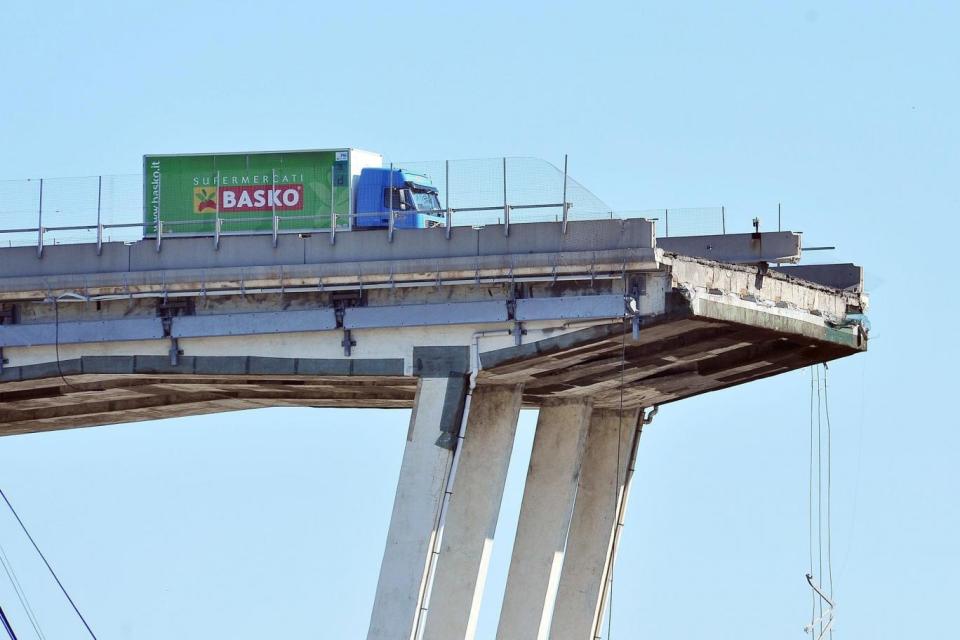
(474, 191)
(533, 188)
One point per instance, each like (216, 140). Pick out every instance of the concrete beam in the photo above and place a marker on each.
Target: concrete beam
(738, 248)
(471, 521)
(413, 524)
(548, 498)
(600, 495)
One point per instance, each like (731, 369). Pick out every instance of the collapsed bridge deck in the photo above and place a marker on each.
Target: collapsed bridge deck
(193, 331)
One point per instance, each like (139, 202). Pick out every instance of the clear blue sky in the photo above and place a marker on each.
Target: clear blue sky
(271, 524)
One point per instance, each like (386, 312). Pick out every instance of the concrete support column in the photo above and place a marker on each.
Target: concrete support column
(434, 423)
(471, 517)
(600, 496)
(545, 512)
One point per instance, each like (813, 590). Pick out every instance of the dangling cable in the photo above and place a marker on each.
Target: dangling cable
(616, 482)
(826, 410)
(813, 596)
(819, 493)
(821, 621)
(49, 568)
(56, 340)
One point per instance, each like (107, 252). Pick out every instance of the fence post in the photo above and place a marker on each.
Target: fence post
(333, 213)
(566, 208)
(273, 201)
(723, 219)
(666, 216)
(216, 217)
(99, 226)
(506, 207)
(276, 229)
(446, 192)
(40, 223)
(159, 233)
(390, 222)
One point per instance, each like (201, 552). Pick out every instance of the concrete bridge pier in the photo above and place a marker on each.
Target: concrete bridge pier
(601, 497)
(548, 499)
(468, 531)
(445, 603)
(427, 456)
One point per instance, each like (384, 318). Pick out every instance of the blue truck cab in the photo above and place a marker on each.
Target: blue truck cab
(412, 198)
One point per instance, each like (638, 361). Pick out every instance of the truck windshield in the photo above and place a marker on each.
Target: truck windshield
(425, 200)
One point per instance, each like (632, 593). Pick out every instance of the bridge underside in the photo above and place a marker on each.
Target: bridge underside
(673, 357)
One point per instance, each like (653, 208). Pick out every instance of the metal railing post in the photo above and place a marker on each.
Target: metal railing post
(273, 193)
(216, 217)
(99, 226)
(390, 222)
(506, 207)
(566, 207)
(40, 223)
(333, 214)
(723, 219)
(446, 192)
(276, 229)
(666, 219)
(159, 233)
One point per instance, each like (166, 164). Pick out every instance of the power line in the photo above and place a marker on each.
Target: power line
(49, 568)
(21, 594)
(6, 625)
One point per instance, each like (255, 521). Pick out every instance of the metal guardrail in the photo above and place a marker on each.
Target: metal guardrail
(109, 208)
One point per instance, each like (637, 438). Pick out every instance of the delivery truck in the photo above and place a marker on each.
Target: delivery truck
(313, 190)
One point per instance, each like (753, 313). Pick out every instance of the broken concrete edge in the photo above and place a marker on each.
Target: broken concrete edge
(781, 321)
(760, 285)
(768, 271)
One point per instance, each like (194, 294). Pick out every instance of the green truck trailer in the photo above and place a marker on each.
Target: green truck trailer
(251, 192)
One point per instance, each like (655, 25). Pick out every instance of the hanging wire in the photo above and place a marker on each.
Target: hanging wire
(821, 621)
(56, 341)
(49, 568)
(616, 483)
(819, 496)
(826, 409)
(21, 594)
(813, 596)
